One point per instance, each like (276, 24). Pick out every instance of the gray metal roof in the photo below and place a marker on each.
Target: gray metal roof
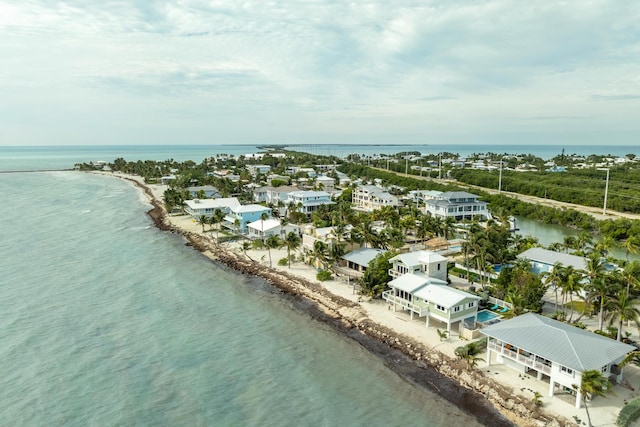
(363, 256)
(414, 258)
(411, 282)
(575, 348)
(444, 295)
(549, 257)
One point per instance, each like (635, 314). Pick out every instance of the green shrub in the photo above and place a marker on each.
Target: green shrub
(629, 413)
(283, 262)
(324, 275)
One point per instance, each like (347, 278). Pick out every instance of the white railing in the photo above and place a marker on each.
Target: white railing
(529, 361)
(420, 309)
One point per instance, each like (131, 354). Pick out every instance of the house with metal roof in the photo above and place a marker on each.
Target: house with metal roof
(262, 229)
(357, 261)
(427, 262)
(307, 201)
(198, 207)
(238, 219)
(204, 192)
(457, 204)
(555, 351)
(543, 260)
(429, 297)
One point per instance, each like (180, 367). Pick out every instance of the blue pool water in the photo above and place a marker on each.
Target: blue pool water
(486, 315)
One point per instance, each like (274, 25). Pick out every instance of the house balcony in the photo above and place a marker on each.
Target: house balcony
(529, 361)
(394, 274)
(420, 308)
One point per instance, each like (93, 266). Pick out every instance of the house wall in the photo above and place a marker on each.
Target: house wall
(437, 270)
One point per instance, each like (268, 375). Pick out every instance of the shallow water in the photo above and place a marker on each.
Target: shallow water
(108, 321)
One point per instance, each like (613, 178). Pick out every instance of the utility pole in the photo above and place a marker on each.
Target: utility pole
(500, 179)
(606, 192)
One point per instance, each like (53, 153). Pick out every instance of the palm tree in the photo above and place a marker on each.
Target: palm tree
(570, 285)
(553, 278)
(583, 240)
(321, 253)
(292, 242)
(245, 247)
(605, 245)
(216, 218)
(469, 353)
(263, 217)
(272, 242)
(593, 382)
(596, 288)
(631, 245)
(569, 242)
(203, 220)
(629, 276)
(622, 308)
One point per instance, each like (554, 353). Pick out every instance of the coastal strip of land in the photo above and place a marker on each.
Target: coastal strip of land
(427, 363)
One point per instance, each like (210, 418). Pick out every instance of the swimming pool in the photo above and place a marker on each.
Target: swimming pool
(486, 316)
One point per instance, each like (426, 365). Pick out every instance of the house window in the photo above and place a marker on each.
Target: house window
(439, 307)
(566, 370)
(439, 267)
(471, 304)
(457, 308)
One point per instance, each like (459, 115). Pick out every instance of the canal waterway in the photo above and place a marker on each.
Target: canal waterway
(551, 233)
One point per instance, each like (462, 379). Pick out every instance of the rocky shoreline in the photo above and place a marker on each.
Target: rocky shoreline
(491, 403)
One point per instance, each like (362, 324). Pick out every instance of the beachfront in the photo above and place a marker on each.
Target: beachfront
(509, 391)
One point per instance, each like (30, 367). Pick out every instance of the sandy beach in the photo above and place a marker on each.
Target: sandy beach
(496, 394)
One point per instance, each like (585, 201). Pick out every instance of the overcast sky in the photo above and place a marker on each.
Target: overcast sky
(319, 71)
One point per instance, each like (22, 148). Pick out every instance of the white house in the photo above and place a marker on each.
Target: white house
(258, 169)
(308, 201)
(198, 207)
(370, 198)
(433, 299)
(457, 204)
(430, 263)
(555, 351)
(260, 230)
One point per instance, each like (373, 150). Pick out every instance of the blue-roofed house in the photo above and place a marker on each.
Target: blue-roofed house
(556, 351)
(238, 219)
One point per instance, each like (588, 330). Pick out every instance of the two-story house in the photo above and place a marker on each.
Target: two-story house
(432, 298)
(457, 204)
(555, 351)
(430, 263)
(307, 201)
(199, 207)
(370, 198)
(238, 219)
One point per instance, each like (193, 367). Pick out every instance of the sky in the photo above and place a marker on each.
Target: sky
(319, 71)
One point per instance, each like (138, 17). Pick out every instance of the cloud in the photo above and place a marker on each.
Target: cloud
(336, 68)
(622, 97)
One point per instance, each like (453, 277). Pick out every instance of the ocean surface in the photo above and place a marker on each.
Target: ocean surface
(107, 321)
(65, 157)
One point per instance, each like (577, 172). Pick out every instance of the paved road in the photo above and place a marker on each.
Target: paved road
(595, 212)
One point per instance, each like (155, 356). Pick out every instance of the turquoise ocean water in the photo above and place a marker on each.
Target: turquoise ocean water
(105, 320)
(64, 157)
